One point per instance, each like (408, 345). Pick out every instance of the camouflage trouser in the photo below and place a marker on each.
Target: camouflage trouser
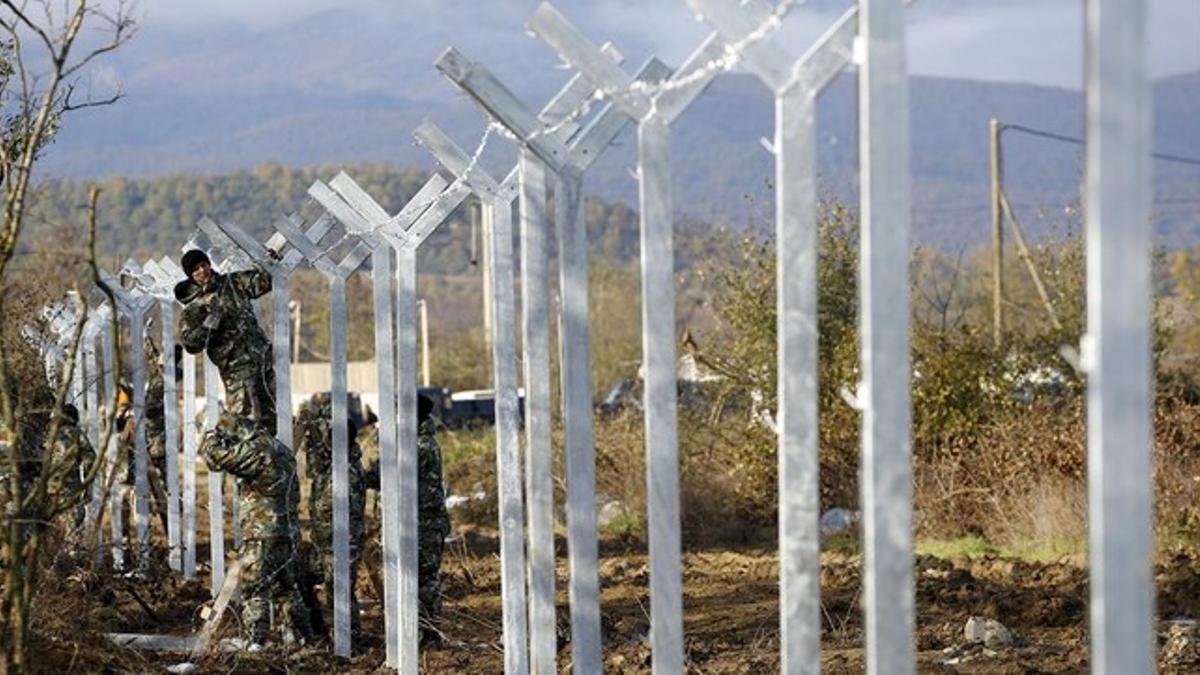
(156, 451)
(431, 540)
(323, 543)
(272, 572)
(156, 476)
(250, 393)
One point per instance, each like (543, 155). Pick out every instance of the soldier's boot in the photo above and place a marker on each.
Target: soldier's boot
(429, 597)
(306, 579)
(256, 618)
(299, 616)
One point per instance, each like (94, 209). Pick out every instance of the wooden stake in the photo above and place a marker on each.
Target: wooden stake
(1023, 252)
(232, 576)
(997, 238)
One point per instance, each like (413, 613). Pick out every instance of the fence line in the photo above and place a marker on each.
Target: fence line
(560, 143)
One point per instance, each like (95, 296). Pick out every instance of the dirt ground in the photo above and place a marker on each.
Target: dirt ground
(731, 611)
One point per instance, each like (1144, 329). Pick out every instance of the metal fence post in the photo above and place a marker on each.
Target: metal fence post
(337, 274)
(566, 147)
(887, 452)
(1117, 350)
(497, 210)
(346, 201)
(134, 305)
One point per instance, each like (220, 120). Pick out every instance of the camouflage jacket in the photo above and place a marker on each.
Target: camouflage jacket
(156, 420)
(70, 453)
(431, 496)
(238, 342)
(266, 471)
(313, 433)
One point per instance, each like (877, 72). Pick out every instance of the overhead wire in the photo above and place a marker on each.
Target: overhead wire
(1042, 133)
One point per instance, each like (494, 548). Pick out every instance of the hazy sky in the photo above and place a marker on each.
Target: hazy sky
(1012, 40)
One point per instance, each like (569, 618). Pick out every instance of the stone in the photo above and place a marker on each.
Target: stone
(990, 632)
(838, 521)
(612, 511)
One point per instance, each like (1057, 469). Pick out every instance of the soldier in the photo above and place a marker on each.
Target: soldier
(218, 319)
(434, 521)
(433, 524)
(314, 437)
(272, 567)
(71, 456)
(156, 426)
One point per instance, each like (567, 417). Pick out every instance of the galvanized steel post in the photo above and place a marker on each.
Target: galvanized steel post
(887, 452)
(497, 210)
(1116, 352)
(346, 201)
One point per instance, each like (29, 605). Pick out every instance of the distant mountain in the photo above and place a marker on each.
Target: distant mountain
(337, 88)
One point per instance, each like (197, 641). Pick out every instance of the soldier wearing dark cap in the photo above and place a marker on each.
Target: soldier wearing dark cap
(218, 319)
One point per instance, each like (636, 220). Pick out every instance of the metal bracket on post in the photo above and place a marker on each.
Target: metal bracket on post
(362, 216)
(567, 148)
(167, 273)
(134, 305)
(497, 200)
(337, 275)
(796, 85)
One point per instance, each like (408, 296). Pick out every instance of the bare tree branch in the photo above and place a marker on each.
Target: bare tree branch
(19, 12)
(110, 423)
(70, 106)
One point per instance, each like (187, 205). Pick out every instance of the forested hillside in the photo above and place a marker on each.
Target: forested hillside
(143, 217)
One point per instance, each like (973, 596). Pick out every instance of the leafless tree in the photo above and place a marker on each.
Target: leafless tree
(46, 48)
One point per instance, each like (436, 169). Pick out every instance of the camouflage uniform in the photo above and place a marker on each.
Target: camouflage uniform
(272, 568)
(433, 521)
(71, 455)
(314, 437)
(156, 440)
(68, 454)
(237, 345)
(154, 425)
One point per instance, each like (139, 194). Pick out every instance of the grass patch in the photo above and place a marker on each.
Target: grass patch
(963, 547)
(459, 445)
(626, 525)
(1036, 551)
(1045, 551)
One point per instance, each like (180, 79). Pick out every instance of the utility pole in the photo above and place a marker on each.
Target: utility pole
(482, 223)
(423, 314)
(997, 238)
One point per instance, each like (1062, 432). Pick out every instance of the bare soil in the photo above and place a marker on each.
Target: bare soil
(731, 615)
